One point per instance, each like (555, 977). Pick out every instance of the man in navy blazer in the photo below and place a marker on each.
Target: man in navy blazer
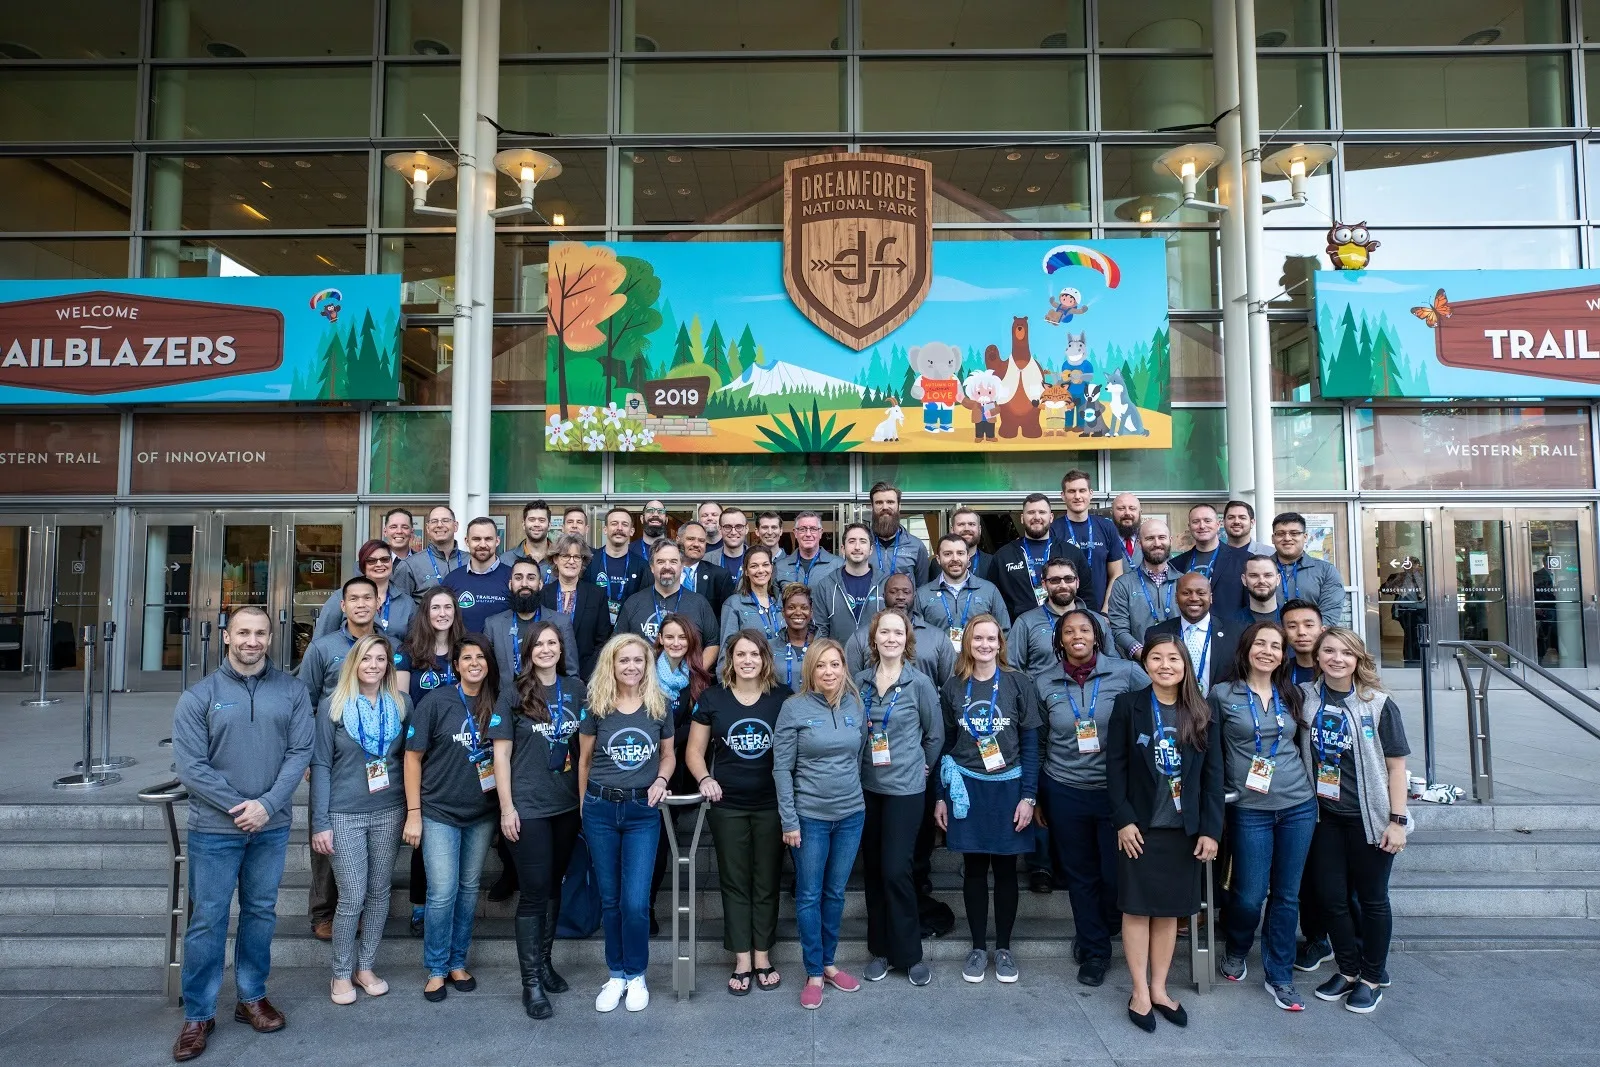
(1216, 559)
(1210, 637)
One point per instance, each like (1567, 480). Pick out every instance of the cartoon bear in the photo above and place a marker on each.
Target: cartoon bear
(937, 365)
(983, 396)
(1021, 383)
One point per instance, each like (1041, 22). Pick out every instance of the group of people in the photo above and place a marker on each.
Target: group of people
(1081, 698)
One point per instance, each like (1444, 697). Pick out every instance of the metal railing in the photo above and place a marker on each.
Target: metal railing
(1479, 749)
(684, 946)
(41, 667)
(1203, 952)
(167, 794)
(88, 777)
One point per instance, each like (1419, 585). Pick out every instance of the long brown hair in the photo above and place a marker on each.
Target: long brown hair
(767, 679)
(909, 656)
(482, 705)
(699, 678)
(1282, 675)
(965, 663)
(419, 639)
(1194, 714)
(530, 691)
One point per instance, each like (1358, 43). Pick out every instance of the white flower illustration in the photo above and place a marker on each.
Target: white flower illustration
(628, 441)
(556, 432)
(613, 416)
(587, 416)
(594, 442)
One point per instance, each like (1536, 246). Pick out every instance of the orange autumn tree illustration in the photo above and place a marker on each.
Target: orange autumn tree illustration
(582, 291)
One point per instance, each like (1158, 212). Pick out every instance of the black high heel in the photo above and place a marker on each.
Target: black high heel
(1145, 1022)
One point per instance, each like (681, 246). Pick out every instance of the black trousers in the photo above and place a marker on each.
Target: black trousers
(1343, 863)
(541, 853)
(419, 879)
(323, 899)
(888, 841)
(975, 891)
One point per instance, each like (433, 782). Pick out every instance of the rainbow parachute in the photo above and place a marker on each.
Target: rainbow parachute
(1079, 256)
(330, 309)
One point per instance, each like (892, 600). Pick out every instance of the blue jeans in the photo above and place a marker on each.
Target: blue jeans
(219, 864)
(453, 857)
(937, 417)
(622, 838)
(1080, 826)
(821, 867)
(1269, 854)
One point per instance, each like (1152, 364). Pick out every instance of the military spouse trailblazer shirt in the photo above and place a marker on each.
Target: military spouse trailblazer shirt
(544, 767)
(740, 754)
(627, 747)
(1261, 761)
(988, 717)
(1332, 742)
(442, 729)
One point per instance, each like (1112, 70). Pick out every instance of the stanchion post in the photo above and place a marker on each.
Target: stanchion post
(88, 777)
(107, 761)
(183, 659)
(205, 648)
(42, 699)
(1425, 647)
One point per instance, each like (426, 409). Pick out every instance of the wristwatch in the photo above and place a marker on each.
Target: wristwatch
(1031, 802)
(1400, 819)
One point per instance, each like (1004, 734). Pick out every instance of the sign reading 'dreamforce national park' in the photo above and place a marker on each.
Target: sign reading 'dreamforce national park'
(200, 339)
(1468, 333)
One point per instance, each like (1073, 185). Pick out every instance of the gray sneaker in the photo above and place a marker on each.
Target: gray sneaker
(977, 964)
(877, 967)
(920, 973)
(1234, 968)
(1005, 967)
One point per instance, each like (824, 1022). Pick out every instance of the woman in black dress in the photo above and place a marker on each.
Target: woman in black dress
(1164, 777)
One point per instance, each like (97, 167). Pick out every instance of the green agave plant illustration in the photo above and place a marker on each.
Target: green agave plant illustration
(806, 435)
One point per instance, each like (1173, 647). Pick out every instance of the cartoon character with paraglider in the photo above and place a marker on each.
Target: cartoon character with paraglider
(329, 300)
(1070, 303)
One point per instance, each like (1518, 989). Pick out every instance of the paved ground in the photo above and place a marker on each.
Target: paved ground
(1528, 1009)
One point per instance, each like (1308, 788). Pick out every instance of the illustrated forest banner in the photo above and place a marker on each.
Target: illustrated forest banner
(211, 340)
(1019, 345)
(1459, 333)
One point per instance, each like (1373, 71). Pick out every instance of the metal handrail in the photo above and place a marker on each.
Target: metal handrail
(1478, 735)
(1201, 956)
(683, 957)
(167, 794)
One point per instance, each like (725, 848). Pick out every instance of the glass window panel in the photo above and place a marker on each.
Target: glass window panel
(709, 235)
(519, 366)
(1318, 207)
(86, 29)
(1447, 22)
(411, 454)
(744, 25)
(414, 95)
(433, 27)
(1446, 183)
(562, 98)
(1046, 184)
(966, 472)
(1474, 448)
(1308, 449)
(704, 185)
(1287, 23)
(974, 94)
(575, 197)
(1197, 460)
(228, 257)
(520, 261)
(1154, 24)
(1591, 21)
(410, 451)
(1191, 264)
(67, 105)
(1291, 256)
(427, 269)
(65, 193)
(257, 192)
(1554, 557)
(1294, 361)
(1139, 190)
(1196, 355)
(97, 257)
(1454, 92)
(1153, 94)
(778, 96)
(228, 29)
(207, 103)
(928, 24)
(426, 356)
(1449, 249)
(1294, 92)
(813, 473)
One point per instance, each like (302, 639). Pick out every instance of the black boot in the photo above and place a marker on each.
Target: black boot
(530, 936)
(553, 982)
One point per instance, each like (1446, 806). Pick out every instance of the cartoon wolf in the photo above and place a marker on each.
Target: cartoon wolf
(1122, 416)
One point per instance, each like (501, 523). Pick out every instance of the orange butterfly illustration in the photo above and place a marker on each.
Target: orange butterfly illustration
(1431, 315)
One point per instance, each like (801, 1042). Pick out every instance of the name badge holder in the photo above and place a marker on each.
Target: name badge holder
(988, 744)
(878, 736)
(377, 766)
(1328, 762)
(481, 758)
(1259, 778)
(1086, 730)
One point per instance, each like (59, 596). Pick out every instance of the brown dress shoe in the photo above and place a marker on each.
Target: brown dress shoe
(261, 1016)
(192, 1040)
(322, 931)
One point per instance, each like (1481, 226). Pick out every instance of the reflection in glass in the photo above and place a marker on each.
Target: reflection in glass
(1288, 23)
(318, 557)
(85, 29)
(968, 472)
(1153, 24)
(1138, 190)
(243, 257)
(76, 585)
(1510, 249)
(82, 104)
(99, 257)
(520, 268)
(1480, 564)
(13, 596)
(1454, 92)
(427, 269)
(1044, 184)
(974, 94)
(734, 96)
(168, 595)
(426, 354)
(817, 473)
(575, 197)
(1294, 361)
(1557, 591)
(1156, 93)
(1191, 264)
(246, 566)
(932, 24)
(1402, 560)
(674, 26)
(1197, 461)
(1445, 183)
(62, 193)
(565, 98)
(228, 29)
(1308, 448)
(433, 27)
(1294, 92)
(519, 366)
(1474, 448)
(1196, 362)
(519, 464)
(206, 103)
(414, 95)
(1291, 257)
(1452, 22)
(705, 185)
(305, 191)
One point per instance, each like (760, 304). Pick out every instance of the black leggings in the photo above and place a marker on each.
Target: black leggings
(542, 851)
(975, 890)
(1342, 864)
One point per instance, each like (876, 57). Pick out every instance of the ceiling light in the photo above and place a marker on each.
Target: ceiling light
(647, 192)
(1151, 207)
(1487, 35)
(1391, 154)
(558, 219)
(266, 185)
(1271, 39)
(326, 261)
(338, 195)
(637, 159)
(303, 164)
(674, 159)
(224, 50)
(997, 188)
(1432, 153)
(1052, 155)
(253, 213)
(265, 164)
(1034, 188)
(427, 46)
(683, 190)
(1187, 163)
(191, 164)
(1013, 156)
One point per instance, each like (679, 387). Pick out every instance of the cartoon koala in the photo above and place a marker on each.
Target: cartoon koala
(937, 365)
(983, 400)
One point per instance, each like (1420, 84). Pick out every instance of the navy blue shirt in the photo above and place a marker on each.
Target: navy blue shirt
(620, 578)
(1097, 538)
(479, 596)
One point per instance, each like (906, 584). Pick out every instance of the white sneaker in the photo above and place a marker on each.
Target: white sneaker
(610, 995)
(638, 995)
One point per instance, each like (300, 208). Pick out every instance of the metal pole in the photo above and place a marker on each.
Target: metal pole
(1235, 314)
(107, 761)
(42, 668)
(183, 659)
(283, 656)
(1260, 399)
(205, 648)
(1425, 645)
(480, 364)
(461, 364)
(88, 777)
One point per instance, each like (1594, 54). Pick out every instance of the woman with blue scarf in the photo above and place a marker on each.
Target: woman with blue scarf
(358, 805)
(681, 678)
(989, 779)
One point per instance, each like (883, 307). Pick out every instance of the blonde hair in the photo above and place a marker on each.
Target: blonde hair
(603, 683)
(766, 678)
(349, 684)
(965, 663)
(1365, 679)
(909, 656)
(809, 668)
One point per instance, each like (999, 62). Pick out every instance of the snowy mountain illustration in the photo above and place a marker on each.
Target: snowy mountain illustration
(783, 377)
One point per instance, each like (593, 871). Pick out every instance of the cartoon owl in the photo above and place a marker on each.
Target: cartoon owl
(1350, 247)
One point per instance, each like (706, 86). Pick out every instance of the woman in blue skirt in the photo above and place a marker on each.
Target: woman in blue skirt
(988, 776)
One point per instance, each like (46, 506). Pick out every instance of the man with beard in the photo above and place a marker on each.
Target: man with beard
(936, 657)
(700, 575)
(729, 554)
(894, 549)
(1126, 514)
(957, 596)
(809, 561)
(1261, 582)
(1019, 567)
(1093, 535)
(1239, 520)
(536, 544)
(845, 599)
(1031, 647)
(710, 516)
(1145, 595)
(620, 567)
(508, 631)
(483, 586)
(965, 523)
(654, 518)
(643, 611)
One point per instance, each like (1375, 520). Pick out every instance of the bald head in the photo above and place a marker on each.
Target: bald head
(1155, 541)
(1126, 513)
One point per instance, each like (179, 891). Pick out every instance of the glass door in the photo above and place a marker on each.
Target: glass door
(55, 578)
(1402, 590)
(1476, 546)
(164, 558)
(1553, 597)
(321, 555)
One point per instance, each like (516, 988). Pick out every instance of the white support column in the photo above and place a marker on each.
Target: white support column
(1260, 342)
(1235, 317)
(485, 143)
(461, 413)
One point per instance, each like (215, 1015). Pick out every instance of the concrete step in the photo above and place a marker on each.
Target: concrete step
(1500, 850)
(1507, 816)
(1496, 894)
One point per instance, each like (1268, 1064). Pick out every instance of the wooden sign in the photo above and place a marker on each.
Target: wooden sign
(676, 396)
(857, 241)
(1547, 335)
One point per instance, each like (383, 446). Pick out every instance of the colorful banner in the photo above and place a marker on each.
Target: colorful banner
(212, 340)
(1459, 333)
(1018, 346)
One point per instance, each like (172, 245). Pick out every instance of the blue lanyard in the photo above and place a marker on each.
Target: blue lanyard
(1297, 677)
(1165, 612)
(734, 572)
(966, 708)
(788, 652)
(383, 732)
(893, 553)
(1035, 567)
(894, 698)
(1290, 593)
(1255, 720)
(472, 726)
(973, 563)
(771, 616)
(1205, 653)
(966, 609)
(1094, 699)
(1170, 756)
(806, 566)
(565, 606)
(661, 612)
(516, 640)
(1086, 546)
(1209, 564)
(1344, 725)
(557, 714)
(383, 619)
(605, 567)
(433, 561)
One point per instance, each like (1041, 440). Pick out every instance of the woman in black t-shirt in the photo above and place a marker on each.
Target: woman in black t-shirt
(537, 784)
(733, 724)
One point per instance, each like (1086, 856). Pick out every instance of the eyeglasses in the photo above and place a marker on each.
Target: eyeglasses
(1293, 535)
(655, 511)
(440, 522)
(569, 556)
(1060, 579)
(735, 525)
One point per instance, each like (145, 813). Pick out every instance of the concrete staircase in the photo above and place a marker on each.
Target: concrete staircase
(83, 889)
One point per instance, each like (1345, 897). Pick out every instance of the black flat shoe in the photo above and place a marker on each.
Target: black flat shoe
(464, 985)
(1174, 1015)
(1093, 971)
(434, 996)
(1145, 1022)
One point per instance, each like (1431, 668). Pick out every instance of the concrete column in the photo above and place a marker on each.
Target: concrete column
(165, 195)
(461, 413)
(1546, 21)
(481, 374)
(1255, 283)
(1235, 320)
